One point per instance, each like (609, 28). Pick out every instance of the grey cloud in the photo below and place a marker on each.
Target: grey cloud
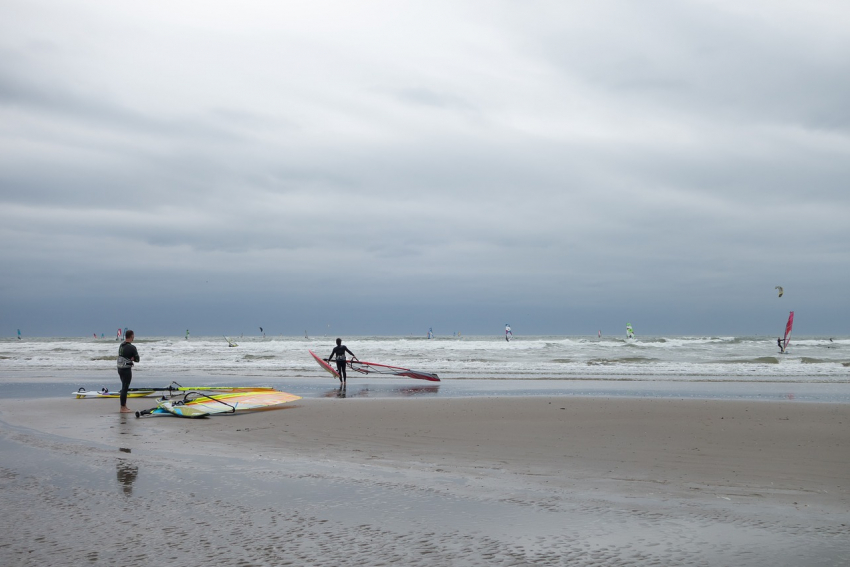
(607, 155)
(427, 97)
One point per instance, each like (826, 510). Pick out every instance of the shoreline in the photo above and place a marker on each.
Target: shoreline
(600, 480)
(45, 386)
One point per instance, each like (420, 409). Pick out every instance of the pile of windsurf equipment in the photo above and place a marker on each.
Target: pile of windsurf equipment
(199, 401)
(195, 404)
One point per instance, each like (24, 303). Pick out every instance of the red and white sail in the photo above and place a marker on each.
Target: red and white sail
(788, 327)
(375, 368)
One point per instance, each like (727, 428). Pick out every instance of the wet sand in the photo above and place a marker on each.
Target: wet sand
(460, 481)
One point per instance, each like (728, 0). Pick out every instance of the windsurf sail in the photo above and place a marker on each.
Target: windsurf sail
(788, 326)
(630, 333)
(19, 334)
(384, 369)
(508, 332)
(229, 342)
(430, 333)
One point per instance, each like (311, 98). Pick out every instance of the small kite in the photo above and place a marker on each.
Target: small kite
(779, 287)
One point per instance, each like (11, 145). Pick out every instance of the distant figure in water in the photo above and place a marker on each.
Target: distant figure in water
(780, 342)
(338, 354)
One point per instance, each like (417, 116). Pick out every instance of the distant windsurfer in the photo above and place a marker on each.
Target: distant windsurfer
(127, 355)
(781, 344)
(508, 332)
(338, 355)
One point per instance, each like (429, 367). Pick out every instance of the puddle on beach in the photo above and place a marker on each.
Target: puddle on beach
(61, 498)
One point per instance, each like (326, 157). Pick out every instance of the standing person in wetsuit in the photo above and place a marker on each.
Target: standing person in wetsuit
(779, 342)
(127, 355)
(338, 354)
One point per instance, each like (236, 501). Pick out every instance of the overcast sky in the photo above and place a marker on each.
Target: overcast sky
(362, 168)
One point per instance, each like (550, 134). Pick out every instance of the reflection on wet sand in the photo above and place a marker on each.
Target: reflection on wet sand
(340, 392)
(365, 392)
(418, 390)
(126, 473)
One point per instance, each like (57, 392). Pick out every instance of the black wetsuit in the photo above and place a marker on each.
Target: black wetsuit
(338, 353)
(127, 354)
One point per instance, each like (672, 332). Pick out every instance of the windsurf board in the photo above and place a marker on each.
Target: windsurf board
(325, 365)
(83, 393)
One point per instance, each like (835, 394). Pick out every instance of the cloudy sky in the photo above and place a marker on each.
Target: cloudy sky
(384, 167)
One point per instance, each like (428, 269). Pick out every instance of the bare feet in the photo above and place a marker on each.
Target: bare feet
(125, 409)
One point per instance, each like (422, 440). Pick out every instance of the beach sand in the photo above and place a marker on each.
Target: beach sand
(454, 481)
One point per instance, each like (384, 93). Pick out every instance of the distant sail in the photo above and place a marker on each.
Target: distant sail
(508, 333)
(630, 333)
(430, 333)
(779, 287)
(788, 327)
(19, 334)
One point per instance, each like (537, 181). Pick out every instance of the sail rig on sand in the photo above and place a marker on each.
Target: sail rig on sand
(198, 404)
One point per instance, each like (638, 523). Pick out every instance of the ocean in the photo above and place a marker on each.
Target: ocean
(467, 365)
